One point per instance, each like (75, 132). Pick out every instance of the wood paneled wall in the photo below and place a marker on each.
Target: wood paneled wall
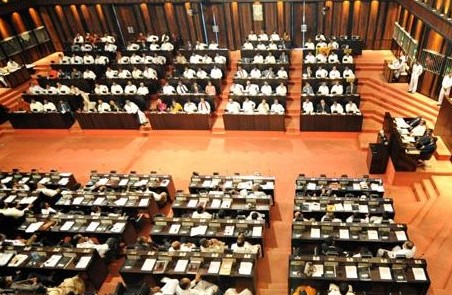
(194, 20)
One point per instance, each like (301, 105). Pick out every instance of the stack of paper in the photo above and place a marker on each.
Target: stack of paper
(245, 268)
(344, 234)
(419, 274)
(148, 264)
(121, 201)
(372, 234)
(401, 236)
(226, 203)
(216, 203)
(67, 225)
(214, 267)
(192, 203)
(83, 262)
(351, 272)
(198, 230)
(257, 231)
(229, 230)
(385, 273)
(315, 233)
(226, 266)
(78, 200)
(34, 227)
(92, 226)
(98, 201)
(53, 260)
(117, 227)
(181, 265)
(143, 202)
(174, 229)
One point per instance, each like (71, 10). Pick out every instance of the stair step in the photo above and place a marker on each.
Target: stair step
(419, 192)
(429, 189)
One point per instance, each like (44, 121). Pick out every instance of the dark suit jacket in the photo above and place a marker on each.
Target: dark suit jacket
(324, 109)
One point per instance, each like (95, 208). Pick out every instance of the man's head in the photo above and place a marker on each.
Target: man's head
(184, 283)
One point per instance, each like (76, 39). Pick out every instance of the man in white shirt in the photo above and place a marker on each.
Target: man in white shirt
(420, 129)
(263, 36)
(213, 45)
(309, 45)
(49, 106)
(255, 73)
(337, 89)
(62, 89)
(103, 106)
(142, 90)
(200, 46)
(320, 37)
(203, 106)
(13, 210)
(333, 58)
(159, 59)
(152, 38)
(75, 59)
(110, 47)
(321, 73)
(310, 58)
(36, 106)
(347, 59)
(132, 108)
(321, 44)
(323, 89)
(348, 73)
(201, 74)
(135, 59)
(232, 107)
(446, 85)
(251, 89)
(268, 73)
(78, 38)
(116, 88)
(258, 59)
(167, 46)
(150, 73)
(281, 89)
(190, 107)
(219, 59)
(51, 90)
(261, 46)
(241, 73)
(201, 213)
(110, 73)
(130, 88)
(207, 59)
(189, 73)
(270, 58)
(321, 57)
(248, 45)
(237, 89)
(263, 107)
(137, 73)
(100, 89)
(416, 72)
(282, 73)
(277, 108)
(336, 108)
(216, 73)
(88, 59)
(124, 74)
(181, 88)
(252, 36)
(351, 107)
(168, 89)
(334, 73)
(272, 46)
(36, 89)
(154, 46)
(101, 60)
(275, 36)
(133, 46)
(308, 107)
(123, 59)
(88, 74)
(407, 250)
(266, 89)
(248, 106)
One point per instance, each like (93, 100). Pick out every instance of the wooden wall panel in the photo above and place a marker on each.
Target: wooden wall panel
(270, 23)
(229, 26)
(182, 22)
(191, 23)
(59, 18)
(219, 12)
(372, 24)
(53, 33)
(236, 25)
(127, 20)
(197, 22)
(169, 12)
(246, 20)
(75, 20)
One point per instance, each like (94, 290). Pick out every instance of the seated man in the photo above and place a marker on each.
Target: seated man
(248, 45)
(190, 107)
(237, 89)
(201, 213)
(252, 36)
(337, 89)
(176, 107)
(255, 73)
(336, 108)
(420, 129)
(307, 89)
(263, 107)
(333, 58)
(322, 107)
(351, 108)
(309, 45)
(308, 107)
(111, 244)
(277, 107)
(49, 106)
(342, 289)
(348, 73)
(212, 245)
(168, 89)
(266, 89)
(282, 73)
(130, 88)
(321, 73)
(427, 150)
(310, 58)
(186, 287)
(232, 107)
(347, 59)
(241, 73)
(270, 58)
(36, 106)
(281, 89)
(243, 246)
(334, 73)
(321, 57)
(183, 247)
(203, 106)
(323, 89)
(407, 250)
(248, 106)
(258, 59)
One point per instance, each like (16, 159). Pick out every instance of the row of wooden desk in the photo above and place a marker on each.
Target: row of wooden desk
(331, 122)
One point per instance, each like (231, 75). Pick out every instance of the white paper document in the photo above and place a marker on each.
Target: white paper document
(401, 236)
(372, 234)
(174, 229)
(192, 203)
(226, 203)
(143, 202)
(121, 201)
(53, 260)
(363, 209)
(198, 230)
(67, 225)
(98, 201)
(315, 233)
(148, 264)
(4, 258)
(245, 268)
(34, 227)
(257, 231)
(318, 271)
(181, 265)
(388, 208)
(92, 226)
(419, 274)
(385, 273)
(78, 200)
(348, 207)
(117, 227)
(83, 262)
(229, 230)
(344, 234)
(214, 267)
(216, 203)
(351, 272)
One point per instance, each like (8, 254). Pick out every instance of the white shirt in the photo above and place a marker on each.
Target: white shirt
(189, 73)
(242, 74)
(419, 130)
(142, 90)
(196, 59)
(124, 60)
(220, 59)
(88, 59)
(216, 73)
(282, 74)
(101, 60)
(213, 46)
(168, 89)
(335, 74)
(130, 89)
(252, 37)
(351, 108)
(263, 108)
(323, 90)
(101, 248)
(51, 90)
(201, 74)
(111, 74)
(249, 106)
(321, 73)
(252, 89)
(36, 89)
(233, 107)
(63, 89)
(204, 107)
(277, 108)
(205, 215)
(261, 46)
(320, 58)
(37, 106)
(348, 74)
(258, 59)
(417, 70)
(101, 89)
(255, 73)
(447, 82)
(337, 89)
(281, 90)
(248, 45)
(263, 37)
(308, 107)
(270, 59)
(275, 37)
(309, 58)
(332, 58)
(124, 74)
(103, 107)
(167, 46)
(131, 108)
(50, 107)
(89, 75)
(272, 46)
(347, 59)
(190, 107)
(237, 89)
(137, 73)
(135, 59)
(110, 47)
(337, 108)
(116, 89)
(133, 47)
(207, 59)
(266, 89)
(150, 73)
(309, 45)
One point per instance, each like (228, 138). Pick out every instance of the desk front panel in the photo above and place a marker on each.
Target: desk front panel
(347, 123)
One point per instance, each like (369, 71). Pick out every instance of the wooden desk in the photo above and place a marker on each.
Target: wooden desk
(71, 262)
(282, 99)
(163, 264)
(86, 85)
(193, 97)
(101, 227)
(50, 120)
(404, 155)
(254, 122)
(363, 274)
(331, 122)
(130, 203)
(389, 74)
(185, 204)
(226, 230)
(328, 66)
(340, 186)
(75, 101)
(316, 207)
(180, 121)
(53, 179)
(112, 120)
(120, 182)
(348, 236)
(17, 77)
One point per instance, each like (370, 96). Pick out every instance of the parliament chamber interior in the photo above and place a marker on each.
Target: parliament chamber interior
(226, 147)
